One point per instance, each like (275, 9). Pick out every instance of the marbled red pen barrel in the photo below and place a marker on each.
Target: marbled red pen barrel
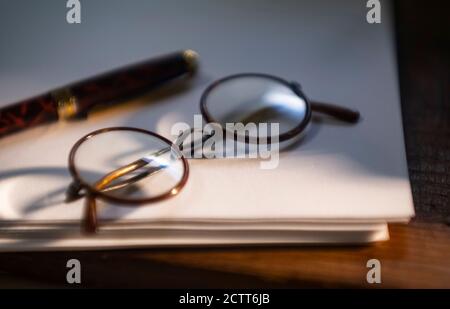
(77, 99)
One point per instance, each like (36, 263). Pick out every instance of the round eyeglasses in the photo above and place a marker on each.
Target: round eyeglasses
(132, 166)
(115, 164)
(262, 98)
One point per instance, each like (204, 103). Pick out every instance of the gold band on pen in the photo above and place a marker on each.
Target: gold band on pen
(191, 58)
(66, 103)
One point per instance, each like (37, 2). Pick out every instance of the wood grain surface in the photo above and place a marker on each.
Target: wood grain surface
(417, 256)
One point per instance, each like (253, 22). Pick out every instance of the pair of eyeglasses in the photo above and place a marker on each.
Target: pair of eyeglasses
(133, 167)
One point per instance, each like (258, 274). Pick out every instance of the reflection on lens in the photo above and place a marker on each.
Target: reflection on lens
(128, 164)
(256, 99)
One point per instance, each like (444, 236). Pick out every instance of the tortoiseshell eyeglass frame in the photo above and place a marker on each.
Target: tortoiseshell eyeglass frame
(90, 223)
(98, 190)
(338, 112)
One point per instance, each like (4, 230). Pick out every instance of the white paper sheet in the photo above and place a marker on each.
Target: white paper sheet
(339, 173)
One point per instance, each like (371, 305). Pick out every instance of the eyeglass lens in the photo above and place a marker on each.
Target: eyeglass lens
(118, 163)
(256, 99)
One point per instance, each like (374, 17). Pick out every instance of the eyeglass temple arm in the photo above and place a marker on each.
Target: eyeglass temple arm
(338, 112)
(335, 111)
(90, 216)
(73, 190)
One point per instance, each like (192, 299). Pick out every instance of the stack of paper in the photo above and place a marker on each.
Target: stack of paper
(342, 184)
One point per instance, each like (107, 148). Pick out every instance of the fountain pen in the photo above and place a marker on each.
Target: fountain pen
(75, 100)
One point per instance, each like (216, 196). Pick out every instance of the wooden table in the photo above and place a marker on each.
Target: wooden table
(418, 254)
